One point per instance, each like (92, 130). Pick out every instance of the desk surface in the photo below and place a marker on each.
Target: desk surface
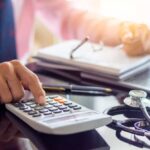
(14, 134)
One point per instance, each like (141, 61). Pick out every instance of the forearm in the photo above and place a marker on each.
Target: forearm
(98, 28)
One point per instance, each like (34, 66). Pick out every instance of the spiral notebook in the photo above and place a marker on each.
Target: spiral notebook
(110, 62)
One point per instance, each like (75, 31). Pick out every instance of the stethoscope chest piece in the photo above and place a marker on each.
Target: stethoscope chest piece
(135, 97)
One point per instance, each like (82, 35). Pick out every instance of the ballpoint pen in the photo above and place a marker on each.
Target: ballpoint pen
(92, 90)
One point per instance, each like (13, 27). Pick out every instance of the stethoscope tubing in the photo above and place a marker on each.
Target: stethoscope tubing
(126, 124)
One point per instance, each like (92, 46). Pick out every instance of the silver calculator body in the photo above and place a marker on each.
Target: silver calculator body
(58, 116)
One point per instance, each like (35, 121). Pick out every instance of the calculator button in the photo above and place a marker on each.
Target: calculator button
(38, 107)
(66, 110)
(25, 101)
(72, 105)
(57, 111)
(30, 103)
(77, 108)
(49, 100)
(27, 110)
(32, 112)
(43, 110)
(33, 105)
(57, 105)
(18, 104)
(62, 107)
(23, 107)
(48, 106)
(59, 99)
(52, 96)
(36, 115)
(47, 113)
(67, 103)
(53, 108)
(52, 102)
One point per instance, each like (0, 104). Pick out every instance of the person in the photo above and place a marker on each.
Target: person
(14, 77)
(67, 22)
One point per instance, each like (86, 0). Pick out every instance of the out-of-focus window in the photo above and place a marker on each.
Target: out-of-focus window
(132, 10)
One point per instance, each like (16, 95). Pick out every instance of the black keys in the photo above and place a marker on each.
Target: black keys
(48, 106)
(67, 103)
(72, 105)
(77, 107)
(36, 115)
(43, 110)
(51, 107)
(62, 107)
(66, 110)
(18, 104)
(32, 112)
(47, 113)
(57, 111)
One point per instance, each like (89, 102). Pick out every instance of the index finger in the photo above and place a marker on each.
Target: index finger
(30, 81)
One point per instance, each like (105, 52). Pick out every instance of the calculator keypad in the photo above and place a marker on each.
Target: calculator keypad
(54, 105)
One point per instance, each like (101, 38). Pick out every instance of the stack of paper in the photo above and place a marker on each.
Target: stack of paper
(92, 59)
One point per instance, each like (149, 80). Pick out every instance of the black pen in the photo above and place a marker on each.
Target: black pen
(92, 90)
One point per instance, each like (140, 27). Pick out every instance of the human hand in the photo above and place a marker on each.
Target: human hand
(135, 38)
(14, 78)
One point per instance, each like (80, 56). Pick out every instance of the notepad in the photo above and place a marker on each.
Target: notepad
(106, 61)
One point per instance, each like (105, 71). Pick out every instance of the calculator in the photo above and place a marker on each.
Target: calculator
(58, 115)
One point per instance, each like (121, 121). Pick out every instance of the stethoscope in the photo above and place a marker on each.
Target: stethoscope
(136, 109)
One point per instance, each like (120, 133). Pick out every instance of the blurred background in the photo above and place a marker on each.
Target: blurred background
(131, 10)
